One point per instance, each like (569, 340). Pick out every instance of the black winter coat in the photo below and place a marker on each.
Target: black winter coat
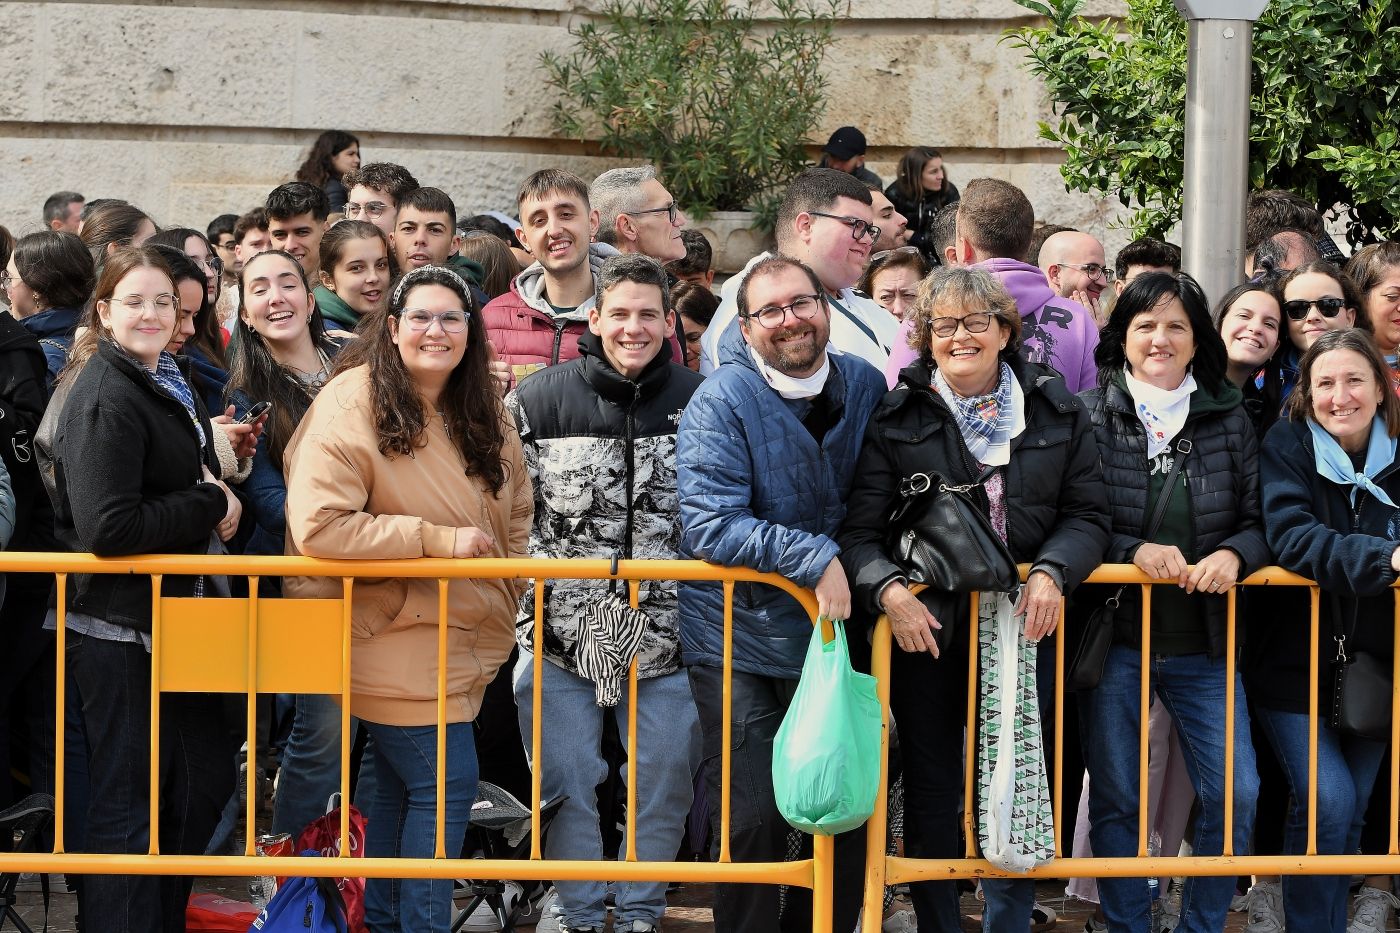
(1318, 534)
(23, 373)
(1057, 516)
(1222, 474)
(127, 475)
(920, 214)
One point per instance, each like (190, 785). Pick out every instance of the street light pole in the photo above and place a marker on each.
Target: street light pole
(1218, 77)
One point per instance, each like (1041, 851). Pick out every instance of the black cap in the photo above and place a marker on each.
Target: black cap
(845, 143)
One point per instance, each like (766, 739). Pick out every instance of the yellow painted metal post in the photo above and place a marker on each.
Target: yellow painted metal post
(631, 850)
(60, 711)
(1144, 699)
(726, 727)
(440, 832)
(1229, 841)
(1314, 595)
(536, 768)
(154, 848)
(823, 869)
(348, 589)
(250, 785)
(877, 826)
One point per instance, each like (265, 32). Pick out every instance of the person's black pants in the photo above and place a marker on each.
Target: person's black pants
(196, 756)
(758, 833)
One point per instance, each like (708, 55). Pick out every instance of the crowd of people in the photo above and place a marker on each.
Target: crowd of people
(351, 370)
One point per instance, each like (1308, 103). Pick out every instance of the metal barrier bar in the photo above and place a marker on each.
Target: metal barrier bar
(1144, 700)
(877, 828)
(250, 783)
(154, 777)
(1314, 595)
(631, 849)
(60, 756)
(726, 723)
(440, 829)
(1228, 840)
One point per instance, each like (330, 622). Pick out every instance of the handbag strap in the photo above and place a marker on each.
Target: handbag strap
(1183, 449)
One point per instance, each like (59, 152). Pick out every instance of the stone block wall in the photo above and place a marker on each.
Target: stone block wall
(191, 108)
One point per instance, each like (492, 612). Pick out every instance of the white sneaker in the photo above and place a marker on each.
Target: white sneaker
(1264, 902)
(484, 920)
(549, 913)
(901, 921)
(1373, 908)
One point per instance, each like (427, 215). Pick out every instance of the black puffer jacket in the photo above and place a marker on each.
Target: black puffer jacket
(1222, 473)
(127, 481)
(1057, 516)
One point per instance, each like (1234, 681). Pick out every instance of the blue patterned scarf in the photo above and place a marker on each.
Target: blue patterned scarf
(986, 421)
(169, 378)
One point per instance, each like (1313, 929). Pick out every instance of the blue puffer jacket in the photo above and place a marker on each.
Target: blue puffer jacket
(757, 491)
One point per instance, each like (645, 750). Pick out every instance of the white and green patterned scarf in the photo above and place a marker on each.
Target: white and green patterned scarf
(1015, 824)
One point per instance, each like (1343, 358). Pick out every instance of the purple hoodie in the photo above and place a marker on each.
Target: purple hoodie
(1055, 331)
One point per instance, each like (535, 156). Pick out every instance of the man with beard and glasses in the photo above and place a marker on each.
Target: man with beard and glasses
(764, 462)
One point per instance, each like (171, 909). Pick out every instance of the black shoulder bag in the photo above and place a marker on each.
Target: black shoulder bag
(941, 537)
(1361, 688)
(1085, 668)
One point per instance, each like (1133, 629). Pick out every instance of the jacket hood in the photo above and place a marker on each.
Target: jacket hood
(54, 322)
(1026, 283)
(15, 336)
(333, 309)
(614, 386)
(473, 271)
(529, 285)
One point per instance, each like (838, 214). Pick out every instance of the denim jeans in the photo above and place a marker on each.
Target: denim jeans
(114, 679)
(757, 832)
(572, 766)
(403, 821)
(1346, 771)
(1192, 688)
(310, 771)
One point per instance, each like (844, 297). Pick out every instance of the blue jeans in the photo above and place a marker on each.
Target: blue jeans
(1192, 688)
(403, 818)
(668, 756)
(1346, 771)
(310, 771)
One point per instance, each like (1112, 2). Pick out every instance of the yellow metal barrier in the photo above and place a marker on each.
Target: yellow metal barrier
(253, 646)
(882, 870)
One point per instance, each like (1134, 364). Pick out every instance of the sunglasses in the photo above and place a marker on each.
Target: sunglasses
(1299, 308)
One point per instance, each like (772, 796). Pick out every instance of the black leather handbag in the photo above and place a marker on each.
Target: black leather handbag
(941, 537)
(1084, 669)
(1361, 689)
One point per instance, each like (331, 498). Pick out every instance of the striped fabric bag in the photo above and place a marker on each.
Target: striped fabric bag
(608, 639)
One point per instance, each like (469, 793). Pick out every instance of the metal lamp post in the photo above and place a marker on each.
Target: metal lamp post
(1218, 76)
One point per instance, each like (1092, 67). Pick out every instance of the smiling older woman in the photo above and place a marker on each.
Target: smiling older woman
(972, 412)
(1163, 396)
(1331, 486)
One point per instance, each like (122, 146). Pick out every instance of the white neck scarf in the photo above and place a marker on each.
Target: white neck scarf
(790, 386)
(1162, 411)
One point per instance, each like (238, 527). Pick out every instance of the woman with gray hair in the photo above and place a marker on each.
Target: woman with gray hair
(970, 414)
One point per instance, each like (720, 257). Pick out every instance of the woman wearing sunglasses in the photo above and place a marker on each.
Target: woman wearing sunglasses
(1316, 297)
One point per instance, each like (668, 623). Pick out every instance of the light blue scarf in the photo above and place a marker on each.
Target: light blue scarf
(1334, 464)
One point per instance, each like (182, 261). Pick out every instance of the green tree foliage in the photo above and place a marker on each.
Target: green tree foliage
(720, 101)
(1324, 115)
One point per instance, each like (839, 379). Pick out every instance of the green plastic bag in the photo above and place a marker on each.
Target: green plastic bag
(826, 754)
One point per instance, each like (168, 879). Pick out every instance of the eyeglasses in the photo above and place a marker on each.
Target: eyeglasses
(672, 212)
(859, 228)
(885, 254)
(803, 307)
(373, 210)
(1298, 308)
(417, 319)
(161, 304)
(975, 323)
(1092, 269)
(212, 264)
(6, 279)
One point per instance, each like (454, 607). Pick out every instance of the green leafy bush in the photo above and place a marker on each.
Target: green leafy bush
(1323, 111)
(720, 101)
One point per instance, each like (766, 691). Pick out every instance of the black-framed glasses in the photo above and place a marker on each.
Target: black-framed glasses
(803, 307)
(420, 319)
(859, 228)
(1298, 308)
(1092, 269)
(975, 323)
(672, 212)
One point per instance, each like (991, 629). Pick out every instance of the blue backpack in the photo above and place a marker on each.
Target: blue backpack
(303, 905)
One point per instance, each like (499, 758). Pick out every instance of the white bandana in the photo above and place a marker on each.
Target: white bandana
(791, 386)
(1162, 411)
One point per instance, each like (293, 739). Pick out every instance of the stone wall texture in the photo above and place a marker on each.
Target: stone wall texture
(193, 108)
